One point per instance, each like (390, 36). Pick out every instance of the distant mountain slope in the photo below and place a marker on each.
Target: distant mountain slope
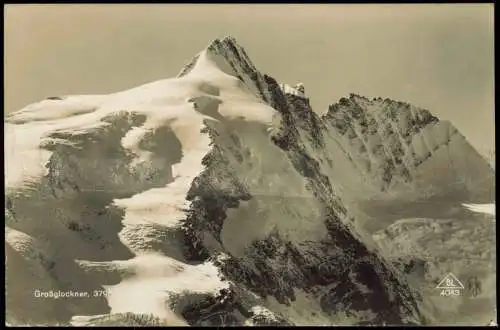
(428, 249)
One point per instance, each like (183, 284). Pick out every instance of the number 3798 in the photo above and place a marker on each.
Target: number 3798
(101, 293)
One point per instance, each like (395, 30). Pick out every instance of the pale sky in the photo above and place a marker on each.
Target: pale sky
(437, 56)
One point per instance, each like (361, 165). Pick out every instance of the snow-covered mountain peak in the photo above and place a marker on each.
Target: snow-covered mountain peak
(216, 193)
(226, 49)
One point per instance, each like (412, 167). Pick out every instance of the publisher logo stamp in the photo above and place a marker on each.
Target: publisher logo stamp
(450, 285)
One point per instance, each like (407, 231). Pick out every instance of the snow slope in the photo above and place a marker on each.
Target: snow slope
(481, 208)
(217, 197)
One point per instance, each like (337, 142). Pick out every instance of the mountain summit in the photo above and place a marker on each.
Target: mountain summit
(219, 197)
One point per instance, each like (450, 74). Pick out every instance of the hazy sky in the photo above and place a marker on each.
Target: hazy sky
(437, 56)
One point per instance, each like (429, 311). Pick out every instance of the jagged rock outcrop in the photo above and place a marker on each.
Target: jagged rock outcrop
(403, 149)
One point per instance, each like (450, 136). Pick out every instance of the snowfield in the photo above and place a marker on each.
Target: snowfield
(481, 208)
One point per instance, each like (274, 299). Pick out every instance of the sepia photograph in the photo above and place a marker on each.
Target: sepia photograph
(249, 165)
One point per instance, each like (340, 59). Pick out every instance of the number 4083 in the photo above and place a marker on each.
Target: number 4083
(450, 292)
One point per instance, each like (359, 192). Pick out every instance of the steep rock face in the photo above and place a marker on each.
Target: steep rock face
(403, 149)
(218, 197)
